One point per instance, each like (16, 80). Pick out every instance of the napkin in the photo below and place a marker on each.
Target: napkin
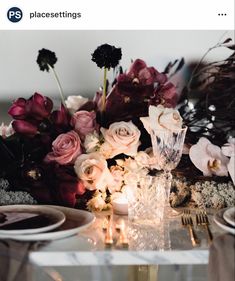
(221, 259)
(14, 264)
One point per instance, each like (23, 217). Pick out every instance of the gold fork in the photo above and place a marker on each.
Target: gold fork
(121, 229)
(202, 219)
(108, 230)
(187, 221)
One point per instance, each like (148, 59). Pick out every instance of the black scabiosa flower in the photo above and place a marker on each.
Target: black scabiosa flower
(45, 58)
(107, 56)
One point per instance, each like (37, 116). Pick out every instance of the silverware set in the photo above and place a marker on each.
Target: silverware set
(201, 221)
(110, 237)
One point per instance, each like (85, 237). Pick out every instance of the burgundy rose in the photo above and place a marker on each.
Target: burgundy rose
(61, 118)
(39, 107)
(62, 189)
(17, 110)
(67, 187)
(84, 122)
(64, 193)
(65, 149)
(24, 127)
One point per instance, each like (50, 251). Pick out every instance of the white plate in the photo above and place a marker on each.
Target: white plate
(76, 220)
(53, 218)
(229, 216)
(219, 220)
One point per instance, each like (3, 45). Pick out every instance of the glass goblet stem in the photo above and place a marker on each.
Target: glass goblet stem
(167, 176)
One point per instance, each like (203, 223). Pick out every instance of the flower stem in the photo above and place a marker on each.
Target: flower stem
(58, 84)
(104, 91)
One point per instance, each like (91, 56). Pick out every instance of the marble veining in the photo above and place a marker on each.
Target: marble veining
(169, 244)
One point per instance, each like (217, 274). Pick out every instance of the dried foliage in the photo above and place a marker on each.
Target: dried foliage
(207, 103)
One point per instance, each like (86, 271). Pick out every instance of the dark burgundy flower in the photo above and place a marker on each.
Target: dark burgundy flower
(39, 106)
(68, 186)
(62, 189)
(41, 193)
(89, 106)
(135, 90)
(68, 192)
(17, 110)
(107, 56)
(61, 119)
(166, 96)
(45, 58)
(24, 127)
(139, 73)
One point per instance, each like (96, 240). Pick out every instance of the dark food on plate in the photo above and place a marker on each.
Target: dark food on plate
(2, 218)
(17, 221)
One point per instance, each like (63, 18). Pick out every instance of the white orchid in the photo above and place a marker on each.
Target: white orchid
(229, 150)
(209, 158)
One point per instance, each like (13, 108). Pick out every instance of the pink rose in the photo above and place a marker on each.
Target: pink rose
(84, 122)
(65, 149)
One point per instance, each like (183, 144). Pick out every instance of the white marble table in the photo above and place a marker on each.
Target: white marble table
(152, 245)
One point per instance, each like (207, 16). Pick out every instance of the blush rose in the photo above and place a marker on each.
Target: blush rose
(122, 137)
(65, 149)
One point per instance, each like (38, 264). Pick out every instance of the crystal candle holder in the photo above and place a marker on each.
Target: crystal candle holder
(146, 201)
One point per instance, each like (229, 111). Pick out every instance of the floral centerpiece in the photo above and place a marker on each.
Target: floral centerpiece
(89, 151)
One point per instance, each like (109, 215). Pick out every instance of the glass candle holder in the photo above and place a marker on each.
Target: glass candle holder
(146, 201)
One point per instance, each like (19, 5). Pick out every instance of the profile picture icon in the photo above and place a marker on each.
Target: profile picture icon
(14, 14)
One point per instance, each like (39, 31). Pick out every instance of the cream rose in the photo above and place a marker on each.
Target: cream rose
(92, 169)
(73, 103)
(161, 118)
(122, 137)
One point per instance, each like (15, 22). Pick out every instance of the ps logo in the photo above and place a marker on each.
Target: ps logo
(14, 14)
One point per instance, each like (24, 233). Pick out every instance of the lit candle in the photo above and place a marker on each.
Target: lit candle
(120, 205)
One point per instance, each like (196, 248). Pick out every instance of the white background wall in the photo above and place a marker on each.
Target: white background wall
(20, 75)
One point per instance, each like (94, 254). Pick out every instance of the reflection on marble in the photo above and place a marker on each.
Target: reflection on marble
(166, 243)
(149, 237)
